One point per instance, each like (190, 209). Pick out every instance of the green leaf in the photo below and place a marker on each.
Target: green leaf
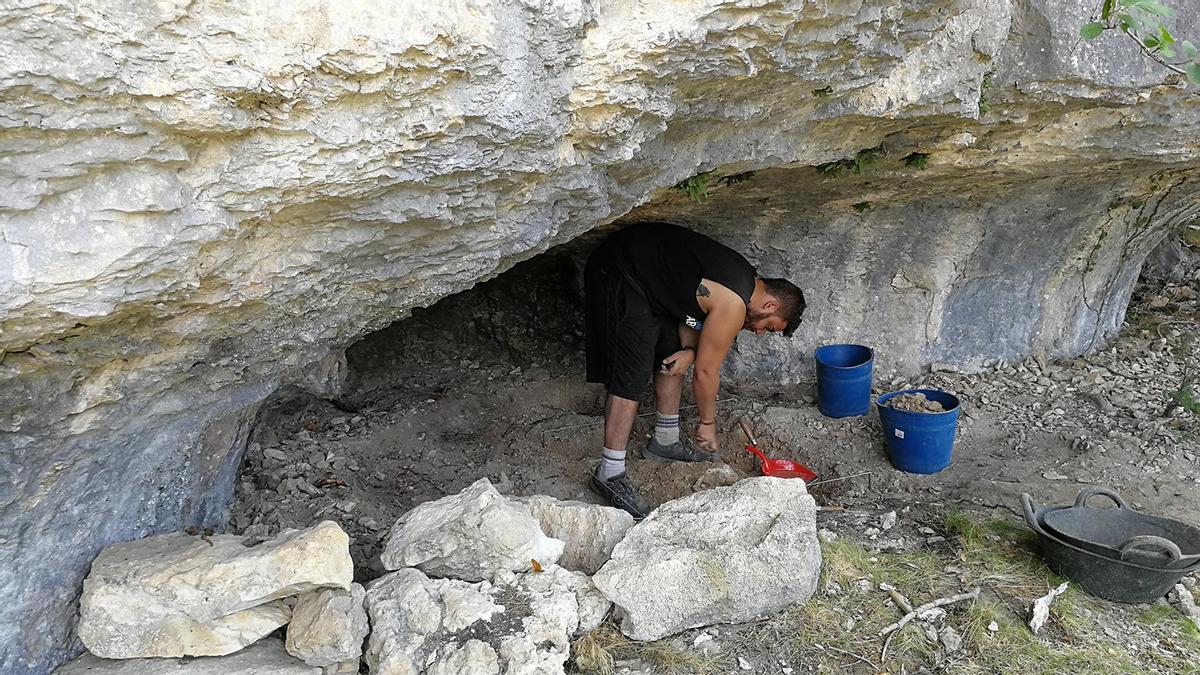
(1106, 9)
(1167, 52)
(1150, 42)
(1151, 7)
(1164, 36)
(1193, 72)
(1189, 49)
(1091, 30)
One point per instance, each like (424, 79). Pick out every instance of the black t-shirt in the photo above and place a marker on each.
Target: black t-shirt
(668, 262)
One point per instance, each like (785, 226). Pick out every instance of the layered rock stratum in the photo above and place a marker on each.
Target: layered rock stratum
(201, 202)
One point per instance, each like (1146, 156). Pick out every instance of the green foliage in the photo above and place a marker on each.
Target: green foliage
(1187, 396)
(696, 187)
(863, 161)
(984, 104)
(1142, 22)
(917, 160)
(861, 206)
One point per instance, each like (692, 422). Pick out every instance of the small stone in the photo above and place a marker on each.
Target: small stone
(993, 627)
(950, 639)
(744, 664)
(888, 520)
(827, 536)
(328, 626)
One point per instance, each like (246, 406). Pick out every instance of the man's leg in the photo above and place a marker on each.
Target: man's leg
(620, 354)
(619, 414)
(666, 445)
(667, 391)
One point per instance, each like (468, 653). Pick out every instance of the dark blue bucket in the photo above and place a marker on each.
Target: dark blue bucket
(920, 442)
(844, 379)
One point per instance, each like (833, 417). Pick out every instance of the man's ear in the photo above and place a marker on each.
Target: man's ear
(770, 305)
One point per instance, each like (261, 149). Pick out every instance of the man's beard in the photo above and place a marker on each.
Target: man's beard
(751, 317)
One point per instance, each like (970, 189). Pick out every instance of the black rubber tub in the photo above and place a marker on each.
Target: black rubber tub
(1122, 532)
(1100, 575)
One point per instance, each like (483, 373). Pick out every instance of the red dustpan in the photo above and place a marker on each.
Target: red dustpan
(779, 468)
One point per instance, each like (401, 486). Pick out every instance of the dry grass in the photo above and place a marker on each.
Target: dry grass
(597, 653)
(837, 631)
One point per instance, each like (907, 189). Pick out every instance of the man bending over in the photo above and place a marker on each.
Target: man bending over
(658, 298)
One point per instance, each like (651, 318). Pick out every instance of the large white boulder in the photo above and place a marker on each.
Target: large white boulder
(470, 536)
(725, 555)
(522, 623)
(179, 595)
(328, 626)
(265, 657)
(588, 531)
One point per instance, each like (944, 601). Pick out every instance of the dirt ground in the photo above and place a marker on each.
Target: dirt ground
(481, 385)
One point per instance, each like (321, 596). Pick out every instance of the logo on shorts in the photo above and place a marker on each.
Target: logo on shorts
(692, 323)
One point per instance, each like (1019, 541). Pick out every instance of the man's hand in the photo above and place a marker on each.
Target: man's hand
(706, 437)
(678, 363)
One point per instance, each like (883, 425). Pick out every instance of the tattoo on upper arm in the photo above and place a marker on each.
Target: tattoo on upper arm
(702, 290)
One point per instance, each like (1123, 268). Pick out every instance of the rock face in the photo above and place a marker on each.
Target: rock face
(328, 626)
(588, 531)
(520, 624)
(199, 200)
(265, 657)
(727, 555)
(180, 595)
(468, 536)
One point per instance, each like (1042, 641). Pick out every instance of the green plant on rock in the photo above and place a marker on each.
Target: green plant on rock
(696, 187)
(1142, 22)
(1187, 397)
(862, 162)
(984, 85)
(917, 160)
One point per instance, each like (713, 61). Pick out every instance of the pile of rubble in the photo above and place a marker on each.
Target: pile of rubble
(476, 582)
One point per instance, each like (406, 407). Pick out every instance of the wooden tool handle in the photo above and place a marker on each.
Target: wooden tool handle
(745, 422)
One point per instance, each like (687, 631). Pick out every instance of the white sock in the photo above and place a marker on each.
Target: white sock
(612, 463)
(666, 429)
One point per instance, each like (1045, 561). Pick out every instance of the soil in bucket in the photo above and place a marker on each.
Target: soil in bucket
(915, 402)
(919, 429)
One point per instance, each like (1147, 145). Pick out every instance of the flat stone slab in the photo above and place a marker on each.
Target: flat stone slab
(179, 595)
(265, 657)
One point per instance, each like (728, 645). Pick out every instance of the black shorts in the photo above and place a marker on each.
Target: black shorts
(626, 340)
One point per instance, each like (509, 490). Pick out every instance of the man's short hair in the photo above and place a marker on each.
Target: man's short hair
(791, 302)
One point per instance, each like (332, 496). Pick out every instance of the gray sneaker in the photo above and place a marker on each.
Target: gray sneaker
(680, 451)
(619, 492)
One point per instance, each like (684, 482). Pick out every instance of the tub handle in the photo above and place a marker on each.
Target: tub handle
(1030, 511)
(1087, 493)
(1148, 543)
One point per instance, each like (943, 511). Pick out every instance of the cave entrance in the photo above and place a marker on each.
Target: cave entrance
(490, 383)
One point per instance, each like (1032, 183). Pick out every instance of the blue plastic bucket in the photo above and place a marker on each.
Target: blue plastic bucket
(844, 379)
(920, 442)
